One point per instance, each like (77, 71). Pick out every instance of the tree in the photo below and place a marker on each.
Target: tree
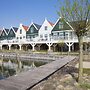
(77, 14)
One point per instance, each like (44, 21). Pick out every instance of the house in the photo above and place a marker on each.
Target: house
(32, 31)
(21, 33)
(4, 34)
(61, 30)
(12, 33)
(45, 30)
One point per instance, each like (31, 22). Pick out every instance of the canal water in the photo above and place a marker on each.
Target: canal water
(13, 67)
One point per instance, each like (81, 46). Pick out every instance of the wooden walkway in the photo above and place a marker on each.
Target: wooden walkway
(26, 80)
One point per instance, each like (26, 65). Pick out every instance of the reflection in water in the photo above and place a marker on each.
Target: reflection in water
(13, 67)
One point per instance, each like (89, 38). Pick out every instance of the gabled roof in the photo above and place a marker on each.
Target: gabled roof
(15, 29)
(35, 25)
(7, 30)
(51, 23)
(38, 26)
(56, 22)
(65, 25)
(25, 27)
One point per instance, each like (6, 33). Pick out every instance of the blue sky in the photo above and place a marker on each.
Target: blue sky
(14, 12)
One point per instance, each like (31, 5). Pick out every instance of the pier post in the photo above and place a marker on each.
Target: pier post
(49, 46)
(20, 47)
(9, 47)
(69, 44)
(33, 46)
(39, 45)
(54, 45)
(1, 47)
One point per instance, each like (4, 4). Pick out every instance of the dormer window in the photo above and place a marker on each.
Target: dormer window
(20, 31)
(60, 25)
(45, 27)
(32, 29)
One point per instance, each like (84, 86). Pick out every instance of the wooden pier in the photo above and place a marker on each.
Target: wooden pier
(27, 80)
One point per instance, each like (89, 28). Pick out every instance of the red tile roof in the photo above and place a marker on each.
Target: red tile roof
(25, 27)
(51, 23)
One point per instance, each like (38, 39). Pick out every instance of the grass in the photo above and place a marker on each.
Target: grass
(85, 85)
(86, 70)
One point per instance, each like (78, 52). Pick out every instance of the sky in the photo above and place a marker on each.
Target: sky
(14, 12)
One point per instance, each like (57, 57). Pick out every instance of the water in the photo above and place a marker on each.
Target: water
(12, 67)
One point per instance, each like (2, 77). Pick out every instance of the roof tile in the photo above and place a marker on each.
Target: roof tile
(25, 27)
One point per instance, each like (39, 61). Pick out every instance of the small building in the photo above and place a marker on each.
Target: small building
(4, 34)
(45, 30)
(32, 31)
(21, 33)
(12, 33)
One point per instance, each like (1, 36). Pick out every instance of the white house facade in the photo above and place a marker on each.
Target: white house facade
(45, 30)
(21, 33)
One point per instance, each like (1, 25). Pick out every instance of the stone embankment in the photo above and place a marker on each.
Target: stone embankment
(64, 79)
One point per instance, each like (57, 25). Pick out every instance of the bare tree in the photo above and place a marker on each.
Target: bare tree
(77, 14)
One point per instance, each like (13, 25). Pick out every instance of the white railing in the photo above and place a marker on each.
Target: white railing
(64, 38)
(52, 38)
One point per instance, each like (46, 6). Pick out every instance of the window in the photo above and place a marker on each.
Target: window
(58, 33)
(46, 36)
(60, 25)
(20, 37)
(20, 31)
(17, 37)
(41, 36)
(45, 27)
(55, 33)
(23, 36)
(32, 29)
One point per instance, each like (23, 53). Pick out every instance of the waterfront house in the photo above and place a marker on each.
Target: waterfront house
(32, 31)
(45, 30)
(12, 33)
(21, 33)
(4, 34)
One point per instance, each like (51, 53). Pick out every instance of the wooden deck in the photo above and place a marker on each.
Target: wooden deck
(26, 80)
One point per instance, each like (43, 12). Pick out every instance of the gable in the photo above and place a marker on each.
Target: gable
(46, 27)
(15, 29)
(7, 30)
(11, 33)
(61, 25)
(32, 30)
(25, 27)
(3, 34)
(37, 26)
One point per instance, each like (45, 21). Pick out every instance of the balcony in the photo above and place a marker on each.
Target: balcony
(50, 39)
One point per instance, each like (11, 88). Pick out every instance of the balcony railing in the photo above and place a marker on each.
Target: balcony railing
(52, 38)
(64, 38)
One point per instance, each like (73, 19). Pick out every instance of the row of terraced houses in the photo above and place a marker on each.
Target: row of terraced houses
(48, 36)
